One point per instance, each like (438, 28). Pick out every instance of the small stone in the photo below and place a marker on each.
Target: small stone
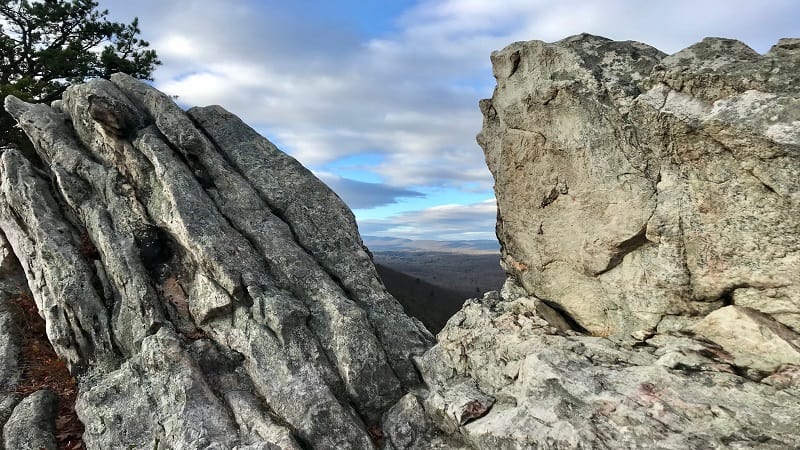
(752, 338)
(643, 335)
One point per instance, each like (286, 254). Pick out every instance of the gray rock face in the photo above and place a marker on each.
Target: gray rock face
(553, 389)
(633, 186)
(650, 226)
(32, 425)
(12, 284)
(207, 289)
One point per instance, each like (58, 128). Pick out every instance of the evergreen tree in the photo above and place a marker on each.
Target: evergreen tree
(46, 45)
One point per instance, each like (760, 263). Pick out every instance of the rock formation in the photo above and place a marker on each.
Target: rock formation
(209, 292)
(206, 289)
(649, 216)
(656, 186)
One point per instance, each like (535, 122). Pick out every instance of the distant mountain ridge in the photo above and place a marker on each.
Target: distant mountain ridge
(433, 305)
(387, 244)
(431, 278)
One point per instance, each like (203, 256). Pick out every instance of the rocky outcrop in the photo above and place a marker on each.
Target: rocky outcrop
(635, 186)
(207, 290)
(12, 282)
(649, 215)
(503, 377)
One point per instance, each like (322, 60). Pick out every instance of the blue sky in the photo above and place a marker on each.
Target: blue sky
(379, 98)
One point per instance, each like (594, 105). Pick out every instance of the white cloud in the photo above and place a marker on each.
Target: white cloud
(365, 195)
(325, 95)
(322, 102)
(444, 222)
(410, 92)
(668, 26)
(177, 47)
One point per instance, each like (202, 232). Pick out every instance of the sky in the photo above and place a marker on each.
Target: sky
(380, 98)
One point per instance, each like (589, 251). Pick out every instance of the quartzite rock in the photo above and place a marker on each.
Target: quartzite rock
(752, 338)
(207, 289)
(557, 390)
(323, 226)
(633, 185)
(650, 199)
(12, 285)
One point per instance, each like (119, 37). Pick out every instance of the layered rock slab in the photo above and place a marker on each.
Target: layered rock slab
(12, 284)
(186, 291)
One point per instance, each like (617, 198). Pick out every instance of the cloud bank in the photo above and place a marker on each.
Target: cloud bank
(444, 222)
(333, 81)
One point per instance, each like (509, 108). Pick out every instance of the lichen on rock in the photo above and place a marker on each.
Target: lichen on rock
(207, 290)
(649, 202)
(659, 185)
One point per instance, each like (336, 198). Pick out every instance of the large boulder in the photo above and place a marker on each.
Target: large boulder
(634, 186)
(207, 290)
(649, 217)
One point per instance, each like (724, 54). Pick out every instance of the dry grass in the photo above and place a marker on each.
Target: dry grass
(42, 369)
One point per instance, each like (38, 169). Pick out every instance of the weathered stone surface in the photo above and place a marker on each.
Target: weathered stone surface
(12, 284)
(553, 389)
(407, 427)
(204, 300)
(648, 206)
(174, 401)
(634, 185)
(753, 339)
(322, 225)
(32, 424)
(333, 233)
(59, 277)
